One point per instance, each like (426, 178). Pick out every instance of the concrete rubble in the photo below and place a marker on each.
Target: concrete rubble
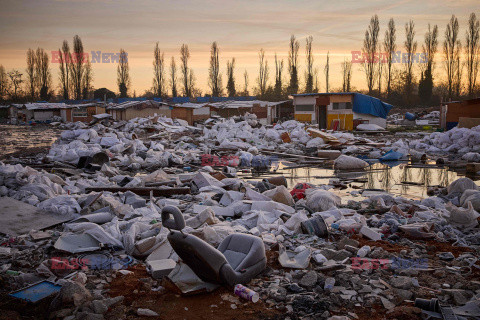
(104, 187)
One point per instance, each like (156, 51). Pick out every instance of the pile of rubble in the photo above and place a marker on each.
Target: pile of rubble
(461, 141)
(93, 217)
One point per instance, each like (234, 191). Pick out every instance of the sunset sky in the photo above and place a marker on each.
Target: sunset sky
(240, 27)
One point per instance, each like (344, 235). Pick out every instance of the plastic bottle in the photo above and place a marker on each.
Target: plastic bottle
(363, 251)
(329, 283)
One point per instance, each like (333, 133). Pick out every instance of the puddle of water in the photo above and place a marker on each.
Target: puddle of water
(17, 138)
(405, 180)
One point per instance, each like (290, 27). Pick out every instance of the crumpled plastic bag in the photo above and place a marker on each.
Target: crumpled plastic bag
(462, 217)
(321, 200)
(294, 260)
(272, 135)
(471, 157)
(315, 142)
(433, 202)
(95, 231)
(215, 234)
(472, 196)
(349, 163)
(41, 191)
(156, 176)
(369, 127)
(293, 225)
(206, 216)
(418, 230)
(280, 194)
(460, 185)
(63, 205)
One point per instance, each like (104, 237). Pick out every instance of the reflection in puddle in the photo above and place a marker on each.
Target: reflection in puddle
(410, 181)
(17, 138)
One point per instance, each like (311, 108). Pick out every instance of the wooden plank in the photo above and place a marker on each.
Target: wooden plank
(473, 167)
(143, 191)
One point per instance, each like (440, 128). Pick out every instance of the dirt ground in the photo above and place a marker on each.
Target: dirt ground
(216, 305)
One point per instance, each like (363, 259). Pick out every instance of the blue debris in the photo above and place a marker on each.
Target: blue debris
(37, 292)
(391, 156)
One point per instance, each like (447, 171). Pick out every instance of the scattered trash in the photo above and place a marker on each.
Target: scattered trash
(294, 260)
(316, 226)
(232, 202)
(329, 283)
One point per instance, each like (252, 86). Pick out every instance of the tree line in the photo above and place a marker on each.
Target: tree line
(407, 83)
(403, 86)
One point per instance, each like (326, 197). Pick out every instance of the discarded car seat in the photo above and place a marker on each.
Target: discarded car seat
(238, 259)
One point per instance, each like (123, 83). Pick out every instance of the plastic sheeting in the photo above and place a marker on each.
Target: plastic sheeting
(321, 200)
(370, 105)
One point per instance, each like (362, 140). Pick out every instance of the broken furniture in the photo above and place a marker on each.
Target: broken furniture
(239, 257)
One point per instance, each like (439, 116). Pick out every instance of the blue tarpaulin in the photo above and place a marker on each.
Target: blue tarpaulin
(370, 105)
(391, 156)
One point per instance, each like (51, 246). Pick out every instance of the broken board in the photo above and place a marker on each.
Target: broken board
(19, 218)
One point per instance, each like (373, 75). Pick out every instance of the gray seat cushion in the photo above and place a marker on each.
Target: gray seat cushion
(242, 250)
(202, 258)
(246, 258)
(239, 258)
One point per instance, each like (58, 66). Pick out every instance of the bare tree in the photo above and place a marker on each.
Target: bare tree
(390, 46)
(123, 74)
(191, 84)
(31, 73)
(278, 76)
(87, 80)
(173, 77)
(262, 72)
(347, 75)
(381, 61)
(158, 72)
(370, 46)
(293, 64)
(429, 49)
(451, 50)
(77, 67)
(326, 70)
(65, 59)
(430, 46)
(245, 84)
(186, 72)
(472, 50)
(16, 81)
(457, 84)
(309, 61)
(316, 87)
(43, 74)
(3, 83)
(232, 92)
(410, 49)
(214, 76)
